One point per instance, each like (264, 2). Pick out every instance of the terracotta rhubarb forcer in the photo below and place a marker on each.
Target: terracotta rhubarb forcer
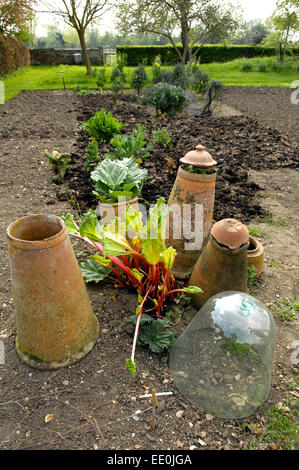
(108, 211)
(55, 323)
(198, 192)
(255, 256)
(222, 265)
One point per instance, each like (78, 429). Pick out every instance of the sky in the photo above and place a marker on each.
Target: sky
(253, 9)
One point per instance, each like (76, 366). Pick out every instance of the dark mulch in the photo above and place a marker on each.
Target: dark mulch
(238, 144)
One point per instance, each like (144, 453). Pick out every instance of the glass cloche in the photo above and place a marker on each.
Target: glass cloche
(222, 362)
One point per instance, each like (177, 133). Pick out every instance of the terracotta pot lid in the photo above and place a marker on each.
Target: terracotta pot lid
(199, 157)
(230, 233)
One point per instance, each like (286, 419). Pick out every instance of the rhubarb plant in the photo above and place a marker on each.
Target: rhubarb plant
(134, 253)
(127, 146)
(118, 179)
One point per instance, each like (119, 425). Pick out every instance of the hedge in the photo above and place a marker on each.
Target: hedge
(13, 54)
(210, 53)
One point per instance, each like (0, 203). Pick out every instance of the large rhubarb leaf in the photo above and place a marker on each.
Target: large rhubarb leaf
(90, 227)
(109, 172)
(92, 271)
(168, 257)
(115, 245)
(152, 250)
(70, 224)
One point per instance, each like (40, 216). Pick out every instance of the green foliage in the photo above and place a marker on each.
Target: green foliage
(193, 290)
(255, 231)
(116, 179)
(156, 69)
(13, 54)
(92, 271)
(138, 79)
(154, 333)
(274, 222)
(127, 146)
(131, 366)
(262, 68)
(282, 428)
(102, 126)
(247, 67)
(141, 262)
(118, 76)
(101, 79)
(251, 277)
(286, 308)
(161, 136)
(199, 81)
(176, 76)
(81, 91)
(58, 160)
(92, 155)
(194, 169)
(167, 99)
(207, 53)
(240, 349)
(179, 77)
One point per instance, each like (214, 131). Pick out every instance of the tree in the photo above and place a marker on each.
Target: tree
(15, 16)
(193, 19)
(254, 33)
(79, 15)
(285, 23)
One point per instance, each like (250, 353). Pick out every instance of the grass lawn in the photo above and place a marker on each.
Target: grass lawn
(49, 78)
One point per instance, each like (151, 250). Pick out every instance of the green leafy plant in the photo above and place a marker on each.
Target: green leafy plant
(102, 126)
(233, 346)
(179, 77)
(118, 76)
(167, 99)
(199, 81)
(247, 67)
(138, 79)
(194, 169)
(92, 155)
(154, 333)
(251, 277)
(58, 160)
(286, 308)
(161, 136)
(117, 84)
(115, 179)
(81, 91)
(127, 146)
(140, 261)
(101, 79)
(156, 68)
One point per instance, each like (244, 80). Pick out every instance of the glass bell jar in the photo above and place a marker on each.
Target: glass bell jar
(222, 362)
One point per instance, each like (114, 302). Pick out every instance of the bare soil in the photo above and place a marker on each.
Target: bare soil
(94, 402)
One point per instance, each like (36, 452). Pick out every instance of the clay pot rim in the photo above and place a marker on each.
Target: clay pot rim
(255, 243)
(37, 244)
(232, 251)
(119, 204)
(196, 176)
